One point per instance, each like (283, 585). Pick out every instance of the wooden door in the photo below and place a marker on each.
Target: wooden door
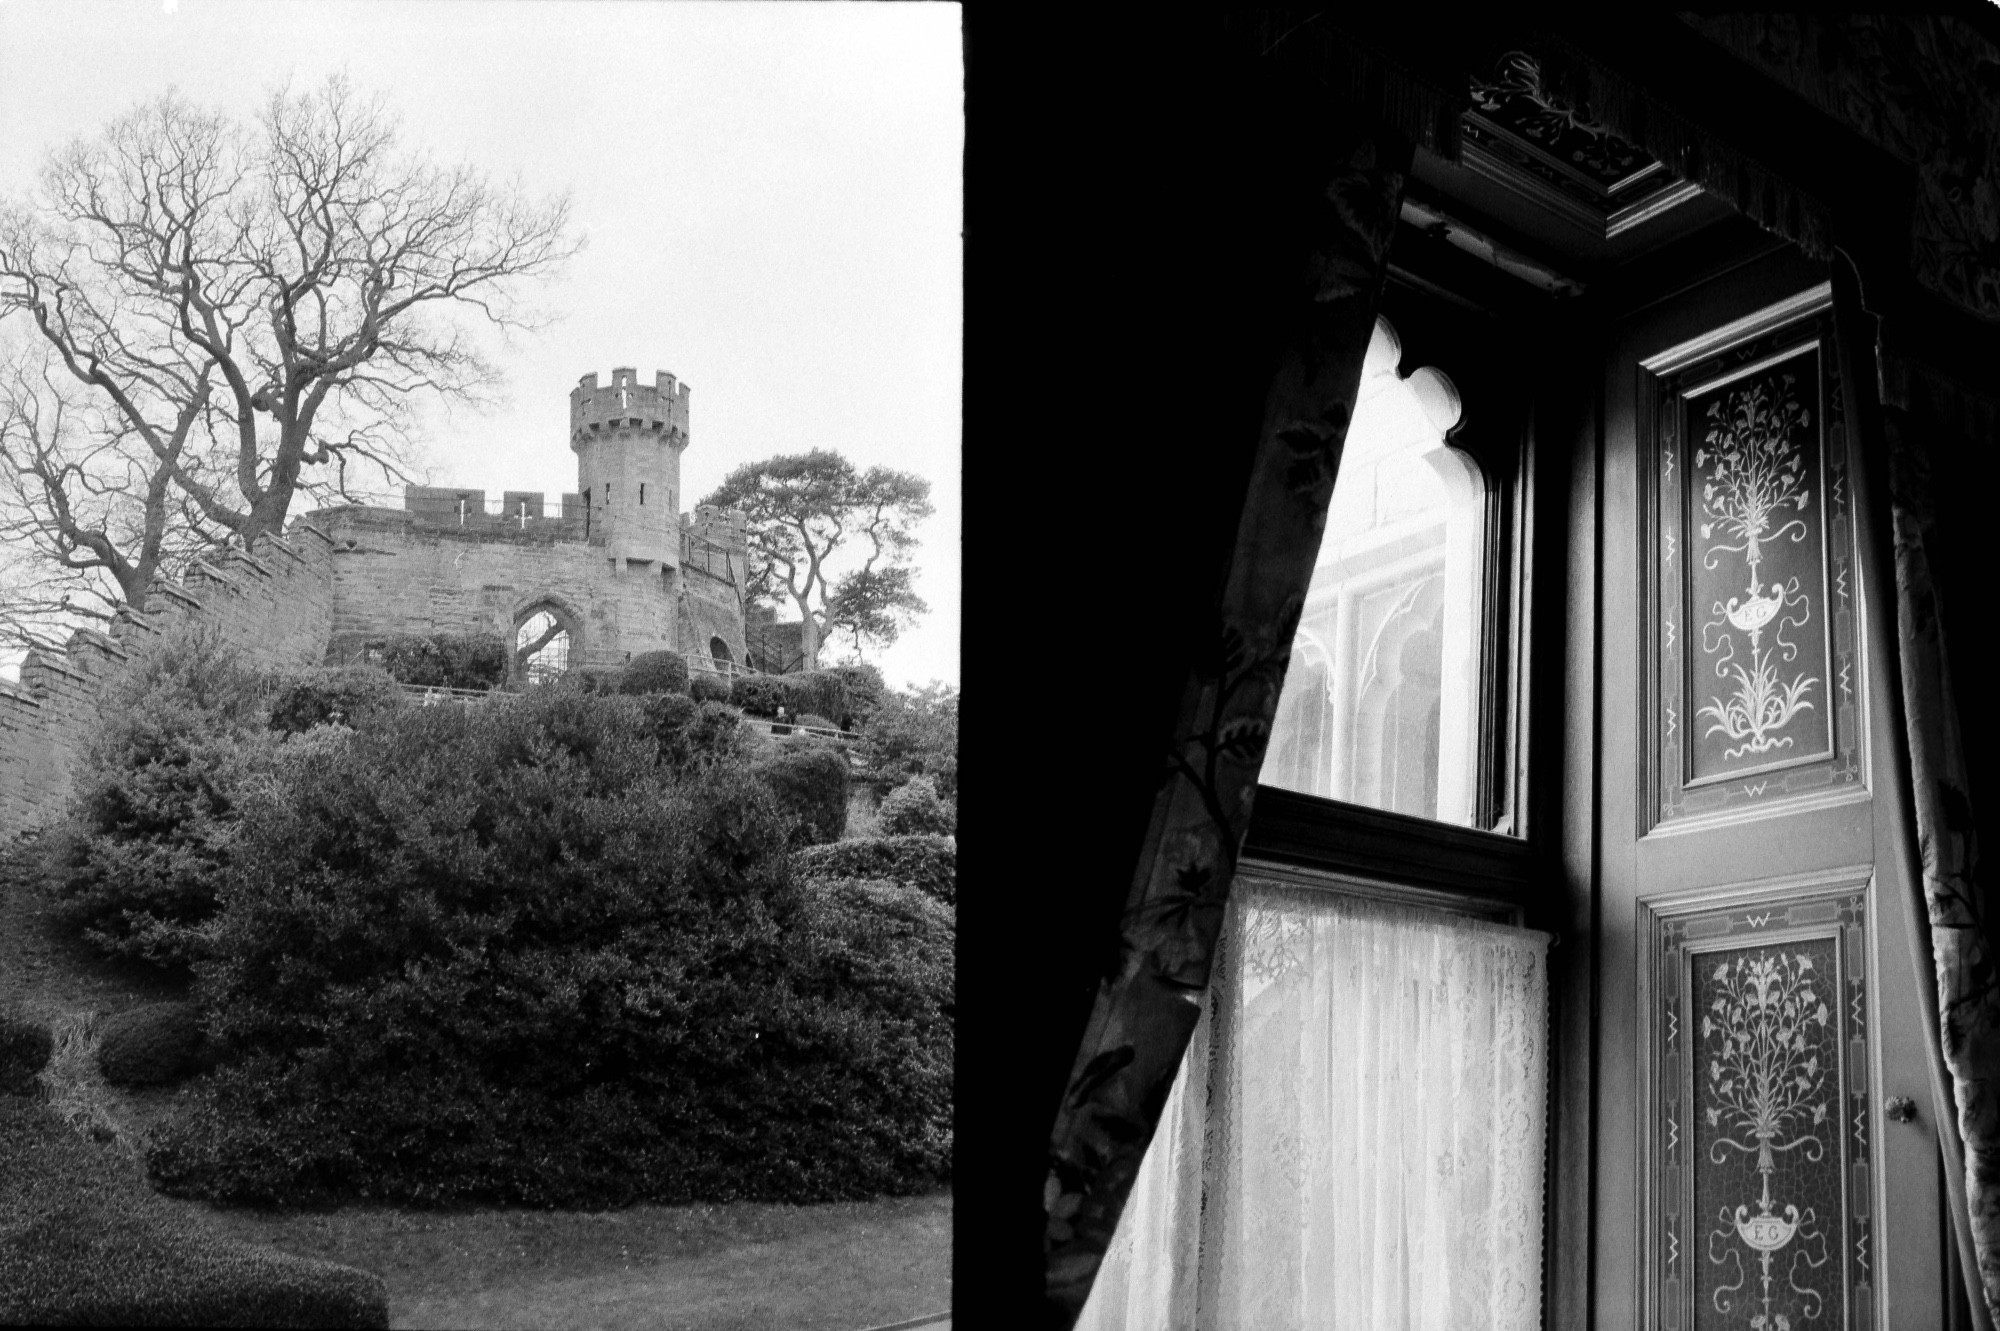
(1756, 1001)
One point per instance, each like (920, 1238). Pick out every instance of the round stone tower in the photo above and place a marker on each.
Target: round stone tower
(628, 439)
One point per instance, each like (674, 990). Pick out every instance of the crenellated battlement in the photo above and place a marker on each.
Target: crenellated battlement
(627, 404)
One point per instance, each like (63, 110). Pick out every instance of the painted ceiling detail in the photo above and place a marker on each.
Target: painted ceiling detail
(1517, 121)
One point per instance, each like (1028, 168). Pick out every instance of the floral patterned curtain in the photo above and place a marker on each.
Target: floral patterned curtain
(1145, 1012)
(1928, 427)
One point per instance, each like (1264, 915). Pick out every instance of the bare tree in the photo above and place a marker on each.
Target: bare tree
(89, 516)
(193, 275)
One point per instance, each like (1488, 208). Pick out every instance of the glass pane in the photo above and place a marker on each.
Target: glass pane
(1355, 1135)
(1381, 698)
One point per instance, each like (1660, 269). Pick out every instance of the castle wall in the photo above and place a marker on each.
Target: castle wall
(398, 572)
(274, 603)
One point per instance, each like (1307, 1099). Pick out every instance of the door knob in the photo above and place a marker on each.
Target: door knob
(1901, 1109)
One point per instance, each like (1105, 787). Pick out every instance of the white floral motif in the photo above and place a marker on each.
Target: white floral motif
(1767, 1093)
(1753, 494)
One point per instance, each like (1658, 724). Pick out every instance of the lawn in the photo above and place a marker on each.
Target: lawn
(734, 1267)
(837, 1267)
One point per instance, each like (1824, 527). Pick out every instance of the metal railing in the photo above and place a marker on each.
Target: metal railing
(431, 695)
(776, 727)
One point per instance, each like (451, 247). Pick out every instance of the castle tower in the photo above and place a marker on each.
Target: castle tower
(628, 439)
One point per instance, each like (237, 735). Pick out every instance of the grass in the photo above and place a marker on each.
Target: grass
(838, 1267)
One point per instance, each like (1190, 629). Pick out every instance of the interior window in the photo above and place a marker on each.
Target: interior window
(1380, 706)
(1355, 1138)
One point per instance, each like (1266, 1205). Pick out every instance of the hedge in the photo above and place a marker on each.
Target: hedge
(142, 852)
(25, 1047)
(691, 736)
(705, 687)
(926, 863)
(447, 660)
(914, 808)
(846, 694)
(508, 956)
(152, 1045)
(337, 695)
(810, 782)
(655, 672)
(86, 1244)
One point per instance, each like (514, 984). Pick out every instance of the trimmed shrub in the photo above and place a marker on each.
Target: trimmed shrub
(509, 956)
(655, 672)
(927, 863)
(810, 783)
(914, 808)
(152, 1045)
(763, 695)
(143, 850)
(25, 1047)
(915, 733)
(332, 695)
(704, 687)
(860, 693)
(87, 1244)
(693, 736)
(810, 719)
(447, 660)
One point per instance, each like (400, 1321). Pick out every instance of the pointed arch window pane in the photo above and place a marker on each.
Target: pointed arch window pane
(1380, 705)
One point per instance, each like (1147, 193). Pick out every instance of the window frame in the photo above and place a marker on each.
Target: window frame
(1495, 858)
(1527, 374)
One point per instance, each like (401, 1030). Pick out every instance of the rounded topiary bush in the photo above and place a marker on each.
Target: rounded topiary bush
(655, 672)
(926, 862)
(693, 735)
(447, 660)
(152, 1045)
(810, 782)
(511, 955)
(25, 1047)
(763, 695)
(708, 688)
(87, 1244)
(915, 807)
(337, 695)
(143, 849)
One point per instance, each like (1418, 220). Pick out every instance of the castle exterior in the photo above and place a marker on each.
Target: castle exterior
(617, 569)
(617, 566)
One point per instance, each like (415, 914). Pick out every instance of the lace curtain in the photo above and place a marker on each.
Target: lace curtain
(1355, 1137)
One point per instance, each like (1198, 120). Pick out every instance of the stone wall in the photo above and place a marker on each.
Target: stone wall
(396, 572)
(274, 602)
(346, 575)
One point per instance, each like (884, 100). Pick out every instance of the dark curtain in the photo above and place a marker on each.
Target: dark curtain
(1146, 1007)
(1932, 444)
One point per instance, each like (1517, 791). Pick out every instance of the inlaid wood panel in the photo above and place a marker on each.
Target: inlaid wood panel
(1756, 1110)
(1752, 692)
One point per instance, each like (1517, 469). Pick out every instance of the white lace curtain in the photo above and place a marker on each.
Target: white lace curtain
(1355, 1138)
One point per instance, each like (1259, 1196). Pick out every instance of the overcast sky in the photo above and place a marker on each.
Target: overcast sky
(770, 191)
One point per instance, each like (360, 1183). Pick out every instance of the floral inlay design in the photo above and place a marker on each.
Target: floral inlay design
(1769, 1089)
(1758, 1156)
(1753, 671)
(1754, 493)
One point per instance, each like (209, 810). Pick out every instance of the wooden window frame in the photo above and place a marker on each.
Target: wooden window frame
(1529, 413)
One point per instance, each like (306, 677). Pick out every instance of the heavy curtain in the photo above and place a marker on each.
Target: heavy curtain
(1146, 1008)
(1356, 1136)
(1934, 443)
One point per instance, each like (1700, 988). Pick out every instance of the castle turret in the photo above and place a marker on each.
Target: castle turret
(628, 439)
